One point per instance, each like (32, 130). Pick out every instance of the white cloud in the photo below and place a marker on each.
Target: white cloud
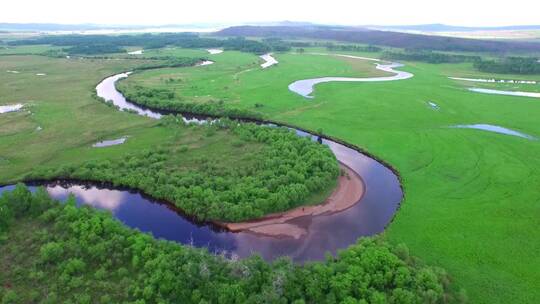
(457, 12)
(99, 198)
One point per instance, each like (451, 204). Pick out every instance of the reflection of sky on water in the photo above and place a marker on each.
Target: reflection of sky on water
(305, 87)
(99, 198)
(10, 108)
(502, 92)
(108, 143)
(107, 90)
(495, 129)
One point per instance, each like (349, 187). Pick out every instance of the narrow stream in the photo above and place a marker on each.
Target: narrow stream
(306, 86)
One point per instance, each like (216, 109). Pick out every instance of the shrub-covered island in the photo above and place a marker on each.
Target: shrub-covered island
(280, 172)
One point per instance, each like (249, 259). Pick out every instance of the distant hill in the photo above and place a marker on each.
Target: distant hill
(438, 27)
(383, 38)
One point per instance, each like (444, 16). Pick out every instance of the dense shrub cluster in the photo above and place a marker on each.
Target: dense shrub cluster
(287, 171)
(351, 48)
(245, 45)
(300, 44)
(429, 56)
(81, 255)
(93, 49)
(278, 44)
(510, 65)
(165, 99)
(145, 40)
(170, 62)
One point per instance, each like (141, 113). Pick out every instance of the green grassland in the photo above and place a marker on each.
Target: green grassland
(61, 103)
(471, 197)
(237, 79)
(26, 49)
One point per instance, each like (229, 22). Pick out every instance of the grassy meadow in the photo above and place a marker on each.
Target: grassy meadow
(61, 104)
(471, 197)
(61, 119)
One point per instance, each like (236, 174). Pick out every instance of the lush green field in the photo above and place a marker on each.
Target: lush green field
(253, 171)
(471, 197)
(61, 103)
(237, 79)
(26, 49)
(54, 253)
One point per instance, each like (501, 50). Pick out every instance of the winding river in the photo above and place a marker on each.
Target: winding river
(325, 232)
(306, 86)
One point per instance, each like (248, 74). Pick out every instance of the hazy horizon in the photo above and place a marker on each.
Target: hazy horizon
(342, 12)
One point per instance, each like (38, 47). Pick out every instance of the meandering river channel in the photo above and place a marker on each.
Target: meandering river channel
(306, 86)
(327, 232)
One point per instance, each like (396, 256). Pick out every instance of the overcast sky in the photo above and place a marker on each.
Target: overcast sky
(350, 12)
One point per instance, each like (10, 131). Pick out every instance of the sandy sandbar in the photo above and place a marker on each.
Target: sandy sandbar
(348, 192)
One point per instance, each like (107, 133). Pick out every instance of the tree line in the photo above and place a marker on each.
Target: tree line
(170, 62)
(56, 252)
(351, 48)
(428, 56)
(94, 49)
(510, 65)
(505, 65)
(104, 44)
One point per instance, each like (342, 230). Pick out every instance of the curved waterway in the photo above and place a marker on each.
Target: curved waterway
(324, 233)
(306, 86)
